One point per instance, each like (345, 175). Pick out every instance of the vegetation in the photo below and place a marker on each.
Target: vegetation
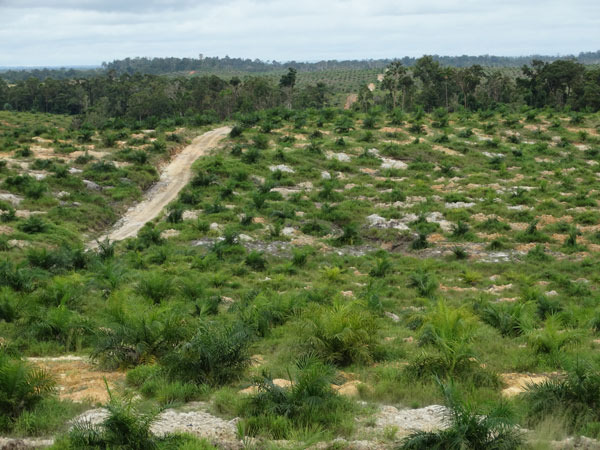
(361, 255)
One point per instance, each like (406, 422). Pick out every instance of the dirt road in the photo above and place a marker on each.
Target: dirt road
(172, 179)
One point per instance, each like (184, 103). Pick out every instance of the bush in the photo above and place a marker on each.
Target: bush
(341, 334)
(130, 339)
(468, 429)
(382, 267)
(156, 286)
(124, 427)
(350, 236)
(551, 339)
(217, 354)
(575, 396)
(510, 319)
(256, 261)
(33, 225)
(424, 282)
(448, 334)
(309, 403)
(21, 388)
(16, 277)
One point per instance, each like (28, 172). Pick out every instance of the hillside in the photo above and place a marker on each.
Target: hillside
(319, 277)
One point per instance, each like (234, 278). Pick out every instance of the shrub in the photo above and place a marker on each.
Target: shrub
(124, 427)
(236, 131)
(256, 261)
(217, 354)
(16, 277)
(420, 242)
(350, 236)
(21, 388)
(448, 334)
(130, 339)
(510, 319)
(309, 402)
(550, 339)
(424, 282)
(33, 225)
(468, 429)
(575, 396)
(156, 286)
(383, 266)
(341, 334)
(175, 215)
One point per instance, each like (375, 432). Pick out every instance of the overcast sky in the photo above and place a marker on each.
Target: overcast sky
(77, 32)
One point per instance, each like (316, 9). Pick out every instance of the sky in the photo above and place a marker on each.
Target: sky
(88, 32)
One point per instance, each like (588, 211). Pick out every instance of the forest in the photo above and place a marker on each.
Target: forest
(428, 85)
(216, 65)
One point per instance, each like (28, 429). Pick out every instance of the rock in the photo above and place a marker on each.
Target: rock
(457, 205)
(24, 443)
(284, 191)
(325, 175)
(376, 221)
(438, 217)
(429, 418)
(91, 185)
(392, 316)
(215, 226)
(306, 185)
(11, 198)
(74, 170)
(281, 168)
(196, 422)
(288, 231)
(551, 294)
(388, 163)
(16, 243)
(62, 194)
(169, 233)
(493, 155)
(191, 215)
(373, 152)
(26, 214)
(245, 238)
(341, 157)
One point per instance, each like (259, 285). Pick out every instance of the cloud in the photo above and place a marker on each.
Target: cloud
(89, 32)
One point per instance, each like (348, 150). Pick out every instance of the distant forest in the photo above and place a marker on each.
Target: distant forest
(227, 65)
(426, 85)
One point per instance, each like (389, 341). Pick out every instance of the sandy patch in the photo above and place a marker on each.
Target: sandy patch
(517, 382)
(78, 380)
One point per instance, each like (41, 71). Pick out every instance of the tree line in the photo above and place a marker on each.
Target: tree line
(217, 65)
(428, 85)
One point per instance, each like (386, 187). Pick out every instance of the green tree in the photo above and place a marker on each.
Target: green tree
(397, 81)
(467, 79)
(287, 82)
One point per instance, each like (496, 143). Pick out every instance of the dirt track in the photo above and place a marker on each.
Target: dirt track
(172, 179)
